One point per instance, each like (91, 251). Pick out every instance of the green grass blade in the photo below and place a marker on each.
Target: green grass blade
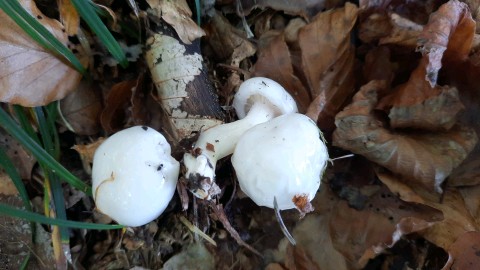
(25, 123)
(22, 137)
(87, 12)
(10, 169)
(10, 211)
(53, 114)
(12, 172)
(47, 132)
(38, 32)
(25, 261)
(199, 11)
(44, 131)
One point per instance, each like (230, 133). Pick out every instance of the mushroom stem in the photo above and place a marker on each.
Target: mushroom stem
(220, 141)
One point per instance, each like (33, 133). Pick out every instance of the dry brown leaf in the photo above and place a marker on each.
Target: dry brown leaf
(23, 160)
(87, 151)
(362, 235)
(426, 159)
(329, 67)
(179, 16)
(450, 29)
(318, 60)
(314, 249)
(69, 17)
(274, 62)
(31, 75)
(459, 208)
(374, 27)
(337, 236)
(81, 109)
(416, 104)
(229, 44)
(416, 11)
(304, 8)
(457, 220)
(404, 32)
(389, 28)
(297, 258)
(403, 191)
(117, 104)
(464, 254)
(420, 103)
(471, 197)
(7, 187)
(378, 65)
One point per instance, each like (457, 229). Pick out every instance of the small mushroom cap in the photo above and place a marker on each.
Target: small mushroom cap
(284, 157)
(264, 90)
(134, 177)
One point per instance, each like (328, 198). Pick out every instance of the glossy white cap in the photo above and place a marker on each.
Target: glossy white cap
(284, 157)
(133, 176)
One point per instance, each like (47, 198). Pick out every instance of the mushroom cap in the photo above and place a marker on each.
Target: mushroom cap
(265, 90)
(133, 176)
(284, 157)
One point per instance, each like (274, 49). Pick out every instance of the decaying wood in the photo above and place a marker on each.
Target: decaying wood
(181, 78)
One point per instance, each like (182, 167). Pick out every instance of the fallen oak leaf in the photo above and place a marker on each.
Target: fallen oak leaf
(427, 159)
(30, 75)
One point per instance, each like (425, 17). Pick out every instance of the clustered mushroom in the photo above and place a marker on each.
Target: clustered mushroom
(133, 176)
(258, 100)
(278, 155)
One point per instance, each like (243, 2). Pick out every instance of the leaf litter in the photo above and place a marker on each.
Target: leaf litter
(394, 82)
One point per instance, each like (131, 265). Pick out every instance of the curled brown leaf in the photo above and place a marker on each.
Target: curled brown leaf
(450, 28)
(427, 159)
(178, 15)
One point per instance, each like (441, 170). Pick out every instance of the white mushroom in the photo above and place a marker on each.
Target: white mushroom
(257, 100)
(133, 176)
(283, 158)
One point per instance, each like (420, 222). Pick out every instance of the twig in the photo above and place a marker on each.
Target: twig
(280, 222)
